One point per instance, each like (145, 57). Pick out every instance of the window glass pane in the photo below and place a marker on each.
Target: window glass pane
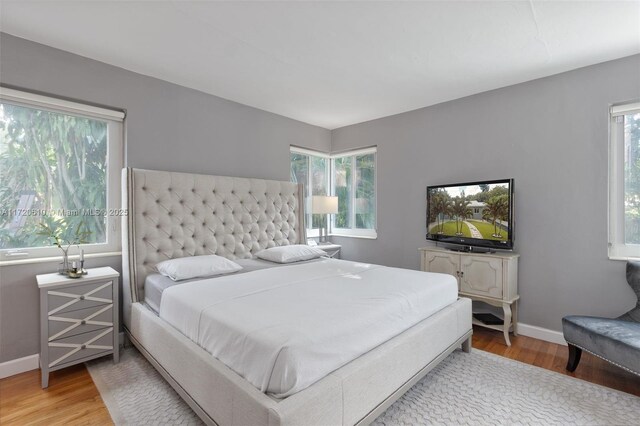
(300, 174)
(53, 173)
(632, 178)
(319, 182)
(299, 168)
(343, 176)
(365, 192)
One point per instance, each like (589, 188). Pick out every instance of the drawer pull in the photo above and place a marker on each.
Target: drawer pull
(83, 322)
(83, 347)
(81, 297)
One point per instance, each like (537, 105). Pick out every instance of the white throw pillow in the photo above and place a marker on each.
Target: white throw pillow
(188, 267)
(291, 253)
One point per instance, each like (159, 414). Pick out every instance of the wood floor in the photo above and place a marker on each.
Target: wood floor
(73, 399)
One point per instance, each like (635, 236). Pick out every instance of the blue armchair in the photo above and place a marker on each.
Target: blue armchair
(614, 340)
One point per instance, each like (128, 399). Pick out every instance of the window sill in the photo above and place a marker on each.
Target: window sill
(57, 258)
(624, 258)
(373, 236)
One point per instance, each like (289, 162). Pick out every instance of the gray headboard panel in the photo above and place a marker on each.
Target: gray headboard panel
(173, 215)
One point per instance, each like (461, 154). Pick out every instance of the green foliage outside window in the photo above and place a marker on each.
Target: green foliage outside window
(632, 179)
(53, 171)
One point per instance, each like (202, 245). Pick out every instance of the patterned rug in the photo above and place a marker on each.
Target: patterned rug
(476, 389)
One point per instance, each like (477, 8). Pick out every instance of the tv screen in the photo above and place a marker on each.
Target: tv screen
(472, 214)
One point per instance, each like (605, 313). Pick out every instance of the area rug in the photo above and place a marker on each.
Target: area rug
(475, 389)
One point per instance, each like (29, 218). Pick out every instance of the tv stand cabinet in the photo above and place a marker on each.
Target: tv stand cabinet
(486, 277)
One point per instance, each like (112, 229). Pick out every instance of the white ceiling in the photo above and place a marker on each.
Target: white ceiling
(335, 63)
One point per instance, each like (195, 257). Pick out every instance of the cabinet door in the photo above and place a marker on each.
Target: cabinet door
(481, 276)
(444, 263)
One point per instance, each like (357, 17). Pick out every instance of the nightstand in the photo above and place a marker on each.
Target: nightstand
(78, 319)
(332, 250)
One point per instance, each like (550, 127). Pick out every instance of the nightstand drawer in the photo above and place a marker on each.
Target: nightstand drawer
(73, 348)
(67, 324)
(73, 298)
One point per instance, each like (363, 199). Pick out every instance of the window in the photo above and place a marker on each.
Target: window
(351, 177)
(624, 181)
(59, 174)
(354, 182)
(311, 169)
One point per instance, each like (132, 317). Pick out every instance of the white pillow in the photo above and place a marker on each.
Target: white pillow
(188, 267)
(291, 253)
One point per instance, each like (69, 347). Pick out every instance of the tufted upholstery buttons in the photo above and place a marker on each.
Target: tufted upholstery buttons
(239, 217)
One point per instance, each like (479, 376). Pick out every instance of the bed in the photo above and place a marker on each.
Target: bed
(173, 215)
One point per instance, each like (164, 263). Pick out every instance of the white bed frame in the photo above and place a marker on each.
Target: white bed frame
(177, 214)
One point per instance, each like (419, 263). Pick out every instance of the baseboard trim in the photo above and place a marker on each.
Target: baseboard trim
(541, 333)
(20, 365)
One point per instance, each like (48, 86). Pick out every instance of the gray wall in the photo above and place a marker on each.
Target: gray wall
(551, 136)
(169, 127)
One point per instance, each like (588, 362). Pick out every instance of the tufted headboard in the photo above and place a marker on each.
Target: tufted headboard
(172, 215)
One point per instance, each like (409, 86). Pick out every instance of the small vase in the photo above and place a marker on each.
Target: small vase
(63, 267)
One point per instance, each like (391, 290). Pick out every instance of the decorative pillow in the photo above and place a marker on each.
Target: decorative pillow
(290, 253)
(188, 267)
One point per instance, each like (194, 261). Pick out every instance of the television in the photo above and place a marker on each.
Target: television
(472, 214)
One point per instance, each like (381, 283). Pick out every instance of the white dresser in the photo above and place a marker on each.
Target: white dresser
(78, 319)
(487, 277)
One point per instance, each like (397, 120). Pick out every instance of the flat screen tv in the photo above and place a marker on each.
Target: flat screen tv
(473, 214)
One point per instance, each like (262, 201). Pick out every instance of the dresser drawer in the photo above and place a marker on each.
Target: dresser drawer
(73, 298)
(80, 346)
(66, 324)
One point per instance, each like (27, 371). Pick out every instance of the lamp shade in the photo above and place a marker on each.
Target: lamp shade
(322, 204)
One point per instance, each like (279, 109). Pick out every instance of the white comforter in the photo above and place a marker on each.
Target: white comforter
(283, 329)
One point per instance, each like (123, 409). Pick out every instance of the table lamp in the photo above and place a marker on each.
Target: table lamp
(324, 205)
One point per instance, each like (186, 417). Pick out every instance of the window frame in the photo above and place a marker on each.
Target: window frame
(115, 163)
(332, 230)
(617, 248)
(369, 233)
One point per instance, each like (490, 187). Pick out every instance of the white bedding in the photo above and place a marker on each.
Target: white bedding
(283, 329)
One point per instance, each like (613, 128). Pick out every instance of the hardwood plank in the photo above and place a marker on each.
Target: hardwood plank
(72, 398)
(553, 357)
